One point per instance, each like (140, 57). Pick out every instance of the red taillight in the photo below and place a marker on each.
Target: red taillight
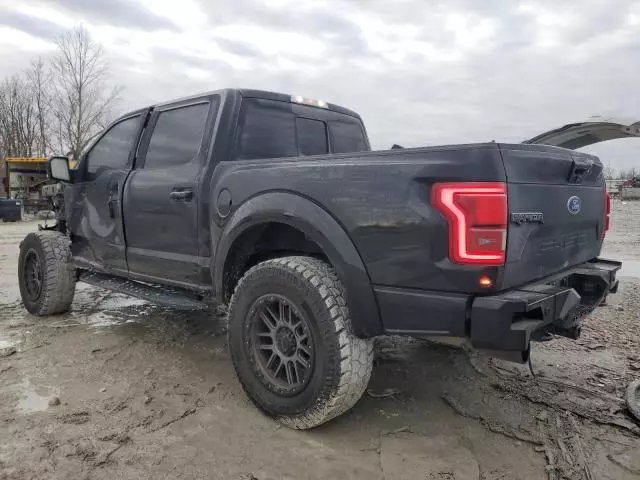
(607, 213)
(477, 215)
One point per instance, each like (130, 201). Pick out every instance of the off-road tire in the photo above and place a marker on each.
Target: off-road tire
(342, 363)
(633, 398)
(58, 281)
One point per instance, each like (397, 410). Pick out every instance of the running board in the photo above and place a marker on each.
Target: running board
(173, 297)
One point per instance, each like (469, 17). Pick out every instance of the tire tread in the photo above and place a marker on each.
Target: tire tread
(355, 354)
(59, 275)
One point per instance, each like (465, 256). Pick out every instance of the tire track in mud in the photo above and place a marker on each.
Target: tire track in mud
(566, 422)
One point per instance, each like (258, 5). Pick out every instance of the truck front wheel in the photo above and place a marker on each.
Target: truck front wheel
(292, 345)
(45, 273)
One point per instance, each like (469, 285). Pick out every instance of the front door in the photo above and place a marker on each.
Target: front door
(161, 196)
(93, 204)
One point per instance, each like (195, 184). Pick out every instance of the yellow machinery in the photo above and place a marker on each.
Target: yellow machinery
(28, 172)
(23, 173)
(27, 180)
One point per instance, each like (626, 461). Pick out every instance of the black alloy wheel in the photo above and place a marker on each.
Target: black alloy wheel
(32, 273)
(282, 344)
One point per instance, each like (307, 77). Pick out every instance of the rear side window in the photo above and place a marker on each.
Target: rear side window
(312, 136)
(113, 149)
(347, 137)
(268, 130)
(177, 136)
(272, 129)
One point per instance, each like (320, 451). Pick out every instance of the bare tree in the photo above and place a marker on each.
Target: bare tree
(609, 172)
(39, 80)
(82, 100)
(18, 130)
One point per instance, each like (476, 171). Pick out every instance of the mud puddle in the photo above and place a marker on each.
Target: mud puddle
(7, 342)
(33, 397)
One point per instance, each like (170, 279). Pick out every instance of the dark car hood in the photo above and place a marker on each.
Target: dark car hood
(593, 130)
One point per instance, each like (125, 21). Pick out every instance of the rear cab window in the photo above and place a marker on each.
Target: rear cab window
(347, 137)
(274, 129)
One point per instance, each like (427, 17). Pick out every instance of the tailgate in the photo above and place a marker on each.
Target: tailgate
(556, 201)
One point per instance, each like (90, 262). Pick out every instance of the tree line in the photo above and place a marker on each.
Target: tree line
(60, 102)
(611, 173)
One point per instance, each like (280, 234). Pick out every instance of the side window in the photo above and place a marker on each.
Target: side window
(312, 137)
(113, 149)
(177, 136)
(347, 137)
(268, 130)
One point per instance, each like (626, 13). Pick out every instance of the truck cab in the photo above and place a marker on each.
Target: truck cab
(141, 201)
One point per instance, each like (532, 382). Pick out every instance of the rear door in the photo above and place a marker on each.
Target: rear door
(161, 197)
(94, 203)
(556, 201)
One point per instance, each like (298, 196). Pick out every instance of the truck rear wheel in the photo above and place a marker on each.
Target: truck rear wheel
(292, 344)
(45, 273)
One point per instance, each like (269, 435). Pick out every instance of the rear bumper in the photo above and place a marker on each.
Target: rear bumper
(508, 321)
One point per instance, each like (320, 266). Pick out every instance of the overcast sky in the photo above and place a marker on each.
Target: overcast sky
(419, 72)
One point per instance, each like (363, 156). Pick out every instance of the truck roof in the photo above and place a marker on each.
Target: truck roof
(250, 93)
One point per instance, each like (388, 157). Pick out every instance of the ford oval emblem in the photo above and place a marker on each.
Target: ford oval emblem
(573, 205)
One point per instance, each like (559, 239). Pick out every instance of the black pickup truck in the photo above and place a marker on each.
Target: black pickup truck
(276, 206)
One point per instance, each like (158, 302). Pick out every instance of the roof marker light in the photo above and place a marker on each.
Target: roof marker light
(309, 101)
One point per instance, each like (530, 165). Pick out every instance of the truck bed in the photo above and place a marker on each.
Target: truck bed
(382, 199)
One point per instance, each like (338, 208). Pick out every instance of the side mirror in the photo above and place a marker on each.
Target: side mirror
(59, 169)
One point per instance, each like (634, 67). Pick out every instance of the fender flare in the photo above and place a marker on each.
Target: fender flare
(319, 226)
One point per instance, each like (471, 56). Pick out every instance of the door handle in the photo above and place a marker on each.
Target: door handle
(178, 195)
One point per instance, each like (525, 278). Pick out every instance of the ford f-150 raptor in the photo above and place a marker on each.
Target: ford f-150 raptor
(276, 206)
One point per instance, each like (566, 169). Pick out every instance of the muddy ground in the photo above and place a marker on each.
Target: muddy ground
(147, 392)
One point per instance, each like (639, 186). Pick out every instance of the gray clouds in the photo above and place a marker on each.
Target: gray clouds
(419, 72)
(121, 13)
(34, 26)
